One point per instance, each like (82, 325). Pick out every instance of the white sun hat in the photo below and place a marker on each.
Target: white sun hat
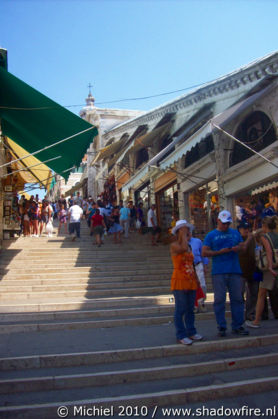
(180, 224)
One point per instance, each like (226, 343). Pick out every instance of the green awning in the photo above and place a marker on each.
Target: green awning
(34, 121)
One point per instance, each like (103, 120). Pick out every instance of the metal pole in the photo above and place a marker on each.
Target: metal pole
(50, 177)
(29, 167)
(49, 146)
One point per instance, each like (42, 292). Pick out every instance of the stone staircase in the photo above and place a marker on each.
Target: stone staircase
(89, 331)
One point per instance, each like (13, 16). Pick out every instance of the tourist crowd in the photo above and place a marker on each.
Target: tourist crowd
(236, 255)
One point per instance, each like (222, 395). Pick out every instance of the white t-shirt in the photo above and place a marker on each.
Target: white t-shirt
(151, 215)
(75, 213)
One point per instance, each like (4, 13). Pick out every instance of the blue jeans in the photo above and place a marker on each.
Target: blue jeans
(184, 313)
(233, 283)
(74, 227)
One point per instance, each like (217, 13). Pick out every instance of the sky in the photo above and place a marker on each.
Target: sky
(132, 49)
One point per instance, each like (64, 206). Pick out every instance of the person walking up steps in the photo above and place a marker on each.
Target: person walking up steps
(152, 225)
(124, 219)
(75, 214)
(98, 226)
(116, 228)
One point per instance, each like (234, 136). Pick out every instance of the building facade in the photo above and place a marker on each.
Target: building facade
(185, 155)
(104, 119)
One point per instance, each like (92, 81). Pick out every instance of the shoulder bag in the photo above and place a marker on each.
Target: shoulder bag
(261, 258)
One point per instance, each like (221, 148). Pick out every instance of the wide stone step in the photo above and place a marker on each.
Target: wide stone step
(109, 378)
(87, 276)
(141, 404)
(45, 295)
(87, 249)
(6, 282)
(61, 305)
(92, 285)
(62, 360)
(143, 387)
(148, 403)
(60, 268)
(70, 263)
(13, 318)
(88, 324)
(85, 253)
(121, 318)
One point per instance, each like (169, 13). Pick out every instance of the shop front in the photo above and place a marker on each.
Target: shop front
(252, 204)
(11, 213)
(142, 195)
(253, 187)
(57, 136)
(167, 200)
(120, 182)
(19, 172)
(202, 204)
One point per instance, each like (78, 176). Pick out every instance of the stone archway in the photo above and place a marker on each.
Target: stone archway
(257, 131)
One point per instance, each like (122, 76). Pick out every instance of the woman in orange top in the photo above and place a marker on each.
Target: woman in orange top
(184, 283)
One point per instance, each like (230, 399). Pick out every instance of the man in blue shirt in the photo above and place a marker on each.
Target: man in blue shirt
(223, 245)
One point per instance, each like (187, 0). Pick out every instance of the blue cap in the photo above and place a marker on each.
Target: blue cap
(244, 224)
(268, 212)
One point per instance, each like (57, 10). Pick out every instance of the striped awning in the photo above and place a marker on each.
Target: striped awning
(265, 188)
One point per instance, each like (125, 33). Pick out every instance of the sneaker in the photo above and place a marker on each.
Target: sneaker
(185, 341)
(196, 337)
(253, 325)
(222, 332)
(240, 331)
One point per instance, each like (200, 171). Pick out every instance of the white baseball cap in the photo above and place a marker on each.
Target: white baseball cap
(180, 224)
(225, 216)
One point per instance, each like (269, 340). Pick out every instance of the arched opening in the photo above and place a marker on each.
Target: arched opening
(142, 156)
(256, 131)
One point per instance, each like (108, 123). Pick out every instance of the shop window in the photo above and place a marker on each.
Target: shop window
(257, 131)
(142, 156)
(143, 196)
(204, 208)
(200, 150)
(168, 206)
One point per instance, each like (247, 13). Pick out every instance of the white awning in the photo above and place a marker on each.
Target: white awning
(186, 146)
(264, 188)
(138, 178)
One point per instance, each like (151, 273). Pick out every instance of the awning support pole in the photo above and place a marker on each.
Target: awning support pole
(50, 177)
(245, 145)
(29, 167)
(49, 146)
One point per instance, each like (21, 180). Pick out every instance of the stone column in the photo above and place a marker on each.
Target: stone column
(152, 190)
(221, 165)
(2, 172)
(183, 211)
